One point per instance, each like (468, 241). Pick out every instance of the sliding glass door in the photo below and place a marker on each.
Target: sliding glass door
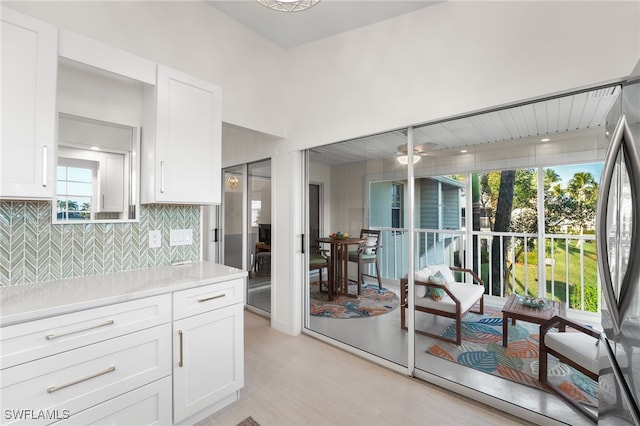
(247, 228)
(500, 205)
(259, 235)
(352, 293)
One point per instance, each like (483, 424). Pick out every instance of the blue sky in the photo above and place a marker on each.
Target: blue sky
(567, 172)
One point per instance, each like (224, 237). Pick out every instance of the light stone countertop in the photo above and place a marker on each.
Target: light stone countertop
(27, 302)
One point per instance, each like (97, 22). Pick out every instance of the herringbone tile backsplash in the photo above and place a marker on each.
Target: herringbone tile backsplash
(33, 249)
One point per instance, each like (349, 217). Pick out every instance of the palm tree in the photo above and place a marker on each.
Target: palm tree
(550, 177)
(583, 188)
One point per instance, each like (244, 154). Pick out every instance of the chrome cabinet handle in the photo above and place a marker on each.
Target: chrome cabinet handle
(211, 298)
(91, 327)
(162, 177)
(45, 158)
(84, 379)
(180, 362)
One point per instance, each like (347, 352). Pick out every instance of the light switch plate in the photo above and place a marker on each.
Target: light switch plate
(181, 237)
(155, 239)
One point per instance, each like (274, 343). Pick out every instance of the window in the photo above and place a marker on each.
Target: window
(76, 181)
(396, 205)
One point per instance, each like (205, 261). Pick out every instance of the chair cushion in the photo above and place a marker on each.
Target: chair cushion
(317, 259)
(422, 275)
(579, 347)
(467, 294)
(353, 256)
(371, 244)
(443, 268)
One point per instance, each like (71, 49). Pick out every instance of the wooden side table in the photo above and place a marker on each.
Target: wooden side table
(517, 311)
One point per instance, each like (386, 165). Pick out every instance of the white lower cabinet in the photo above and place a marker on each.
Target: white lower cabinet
(208, 360)
(148, 405)
(76, 380)
(140, 362)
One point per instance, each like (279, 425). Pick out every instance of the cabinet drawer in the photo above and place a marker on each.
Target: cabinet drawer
(206, 298)
(37, 339)
(82, 378)
(148, 405)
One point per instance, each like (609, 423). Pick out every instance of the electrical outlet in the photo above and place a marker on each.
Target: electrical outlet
(155, 239)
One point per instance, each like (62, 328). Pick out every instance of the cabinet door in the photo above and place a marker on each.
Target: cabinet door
(188, 139)
(112, 183)
(208, 359)
(29, 66)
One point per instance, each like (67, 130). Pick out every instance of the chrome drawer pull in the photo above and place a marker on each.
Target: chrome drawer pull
(54, 336)
(45, 162)
(52, 389)
(180, 363)
(162, 177)
(211, 298)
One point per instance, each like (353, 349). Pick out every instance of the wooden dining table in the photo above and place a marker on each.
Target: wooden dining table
(338, 279)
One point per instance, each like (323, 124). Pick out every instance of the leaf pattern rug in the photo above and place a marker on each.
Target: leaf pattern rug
(373, 301)
(482, 350)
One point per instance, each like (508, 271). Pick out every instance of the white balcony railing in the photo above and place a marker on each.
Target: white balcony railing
(568, 271)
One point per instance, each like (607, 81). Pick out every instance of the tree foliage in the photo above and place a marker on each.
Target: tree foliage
(509, 199)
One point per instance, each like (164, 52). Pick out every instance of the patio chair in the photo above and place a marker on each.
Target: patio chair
(367, 253)
(579, 350)
(454, 301)
(318, 260)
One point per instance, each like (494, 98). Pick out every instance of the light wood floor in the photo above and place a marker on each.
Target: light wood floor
(302, 381)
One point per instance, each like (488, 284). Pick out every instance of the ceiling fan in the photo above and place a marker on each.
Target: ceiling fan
(419, 151)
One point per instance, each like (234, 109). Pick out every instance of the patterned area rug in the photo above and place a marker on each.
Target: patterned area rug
(373, 301)
(482, 350)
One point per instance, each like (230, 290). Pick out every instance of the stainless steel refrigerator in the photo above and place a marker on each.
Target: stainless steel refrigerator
(618, 241)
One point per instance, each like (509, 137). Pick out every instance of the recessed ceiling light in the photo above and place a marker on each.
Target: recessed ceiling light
(463, 151)
(545, 140)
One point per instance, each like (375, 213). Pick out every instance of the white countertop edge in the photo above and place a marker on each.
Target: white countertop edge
(16, 308)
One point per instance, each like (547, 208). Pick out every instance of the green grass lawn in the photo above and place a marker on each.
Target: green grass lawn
(566, 272)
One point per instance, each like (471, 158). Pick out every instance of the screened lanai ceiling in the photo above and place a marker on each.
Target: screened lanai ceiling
(549, 118)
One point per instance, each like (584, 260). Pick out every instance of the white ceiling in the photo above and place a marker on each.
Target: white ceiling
(327, 18)
(553, 118)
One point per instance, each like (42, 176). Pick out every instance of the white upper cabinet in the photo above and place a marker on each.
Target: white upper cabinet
(181, 140)
(27, 147)
(99, 102)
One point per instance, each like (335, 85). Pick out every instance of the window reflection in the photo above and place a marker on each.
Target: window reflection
(76, 187)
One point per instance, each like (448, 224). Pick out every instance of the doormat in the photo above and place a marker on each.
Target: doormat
(373, 301)
(248, 422)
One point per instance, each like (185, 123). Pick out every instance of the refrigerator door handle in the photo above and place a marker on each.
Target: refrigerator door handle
(621, 141)
(601, 224)
(632, 160)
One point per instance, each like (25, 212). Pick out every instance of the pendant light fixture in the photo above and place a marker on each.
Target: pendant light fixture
(288, 5)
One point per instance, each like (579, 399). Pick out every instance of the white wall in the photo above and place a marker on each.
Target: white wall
(452, 58)
(189, 36)
(240, 145)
